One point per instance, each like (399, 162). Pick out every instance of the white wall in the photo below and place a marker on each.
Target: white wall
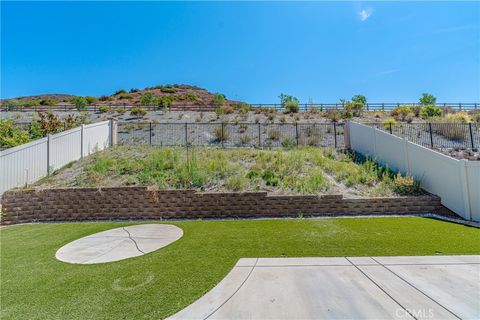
(29, 162)
(457, 182)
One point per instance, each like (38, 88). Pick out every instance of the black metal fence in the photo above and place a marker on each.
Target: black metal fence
(228, 135)
(303, 107)
(436, 135)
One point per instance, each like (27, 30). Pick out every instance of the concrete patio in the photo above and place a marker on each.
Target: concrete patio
(419, 287)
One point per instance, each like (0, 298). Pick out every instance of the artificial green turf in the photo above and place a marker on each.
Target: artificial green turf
(34, 285)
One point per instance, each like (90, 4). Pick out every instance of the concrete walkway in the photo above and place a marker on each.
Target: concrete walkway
(431, 287)
(118, 244)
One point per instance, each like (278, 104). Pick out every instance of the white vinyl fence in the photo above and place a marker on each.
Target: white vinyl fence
(457, 182)
(29, 162)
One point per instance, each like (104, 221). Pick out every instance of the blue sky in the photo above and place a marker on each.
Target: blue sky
(319, 51)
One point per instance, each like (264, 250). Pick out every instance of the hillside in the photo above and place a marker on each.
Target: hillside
(177, 96)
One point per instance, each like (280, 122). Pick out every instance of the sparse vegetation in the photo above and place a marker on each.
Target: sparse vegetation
(303, 170)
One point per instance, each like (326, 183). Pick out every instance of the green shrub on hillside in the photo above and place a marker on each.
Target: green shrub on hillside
(289, 103)
(91, 100)
(401, 112)
(104, 109)
(80, 103)
(120, 92)
(12, 135)
(148, 99)
(48, 102)
(138, 112)
(218, 100)
(430, 111)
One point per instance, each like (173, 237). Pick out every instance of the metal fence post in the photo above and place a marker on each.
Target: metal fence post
(186, 135)
(48, 153)
(471, 134)
(223, 128)
(431, 134)
(390, 126)
(296, 132)
(335, 133)
(150, 133)
(259, 137)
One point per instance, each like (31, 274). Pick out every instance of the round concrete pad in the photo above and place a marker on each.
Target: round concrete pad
(118, 244)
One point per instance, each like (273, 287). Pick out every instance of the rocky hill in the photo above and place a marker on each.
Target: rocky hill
(176, 97)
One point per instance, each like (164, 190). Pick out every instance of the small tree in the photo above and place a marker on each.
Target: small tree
(218, 100)
(80, 103)
(148, 99)
(427, 99)
(359, 99)
(289, 103)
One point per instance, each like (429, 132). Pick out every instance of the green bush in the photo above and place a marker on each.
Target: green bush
(291, 107)
(401, 112)
(389, 123)
(270, 178)
(405, 185)
(104, 109)
(353, 109)
(138, 112)
(289, 103)
(148, 99)
(12, 104)
(80, 103)
(133, 90)
(125, 96)
(48, 102)
(218, 100)
(165, 101)
(427, 99)
(35, 130)
(12, 135)
(359, 99)
(91, 100)
(120, 91)
(429, 111)
(168, 89)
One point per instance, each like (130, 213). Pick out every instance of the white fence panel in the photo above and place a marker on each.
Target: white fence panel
(65, 147)
(23, 164)
(473, 180)
(31, 161)
(362, 138)
(440, 175)
(457, 182)
(96, 136)
(390, 151)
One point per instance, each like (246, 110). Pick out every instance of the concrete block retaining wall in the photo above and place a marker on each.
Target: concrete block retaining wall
(142, 203)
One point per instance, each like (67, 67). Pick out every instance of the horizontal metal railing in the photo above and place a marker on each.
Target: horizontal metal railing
(303, 107)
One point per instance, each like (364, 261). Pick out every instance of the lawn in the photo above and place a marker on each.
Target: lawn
(35, 285)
